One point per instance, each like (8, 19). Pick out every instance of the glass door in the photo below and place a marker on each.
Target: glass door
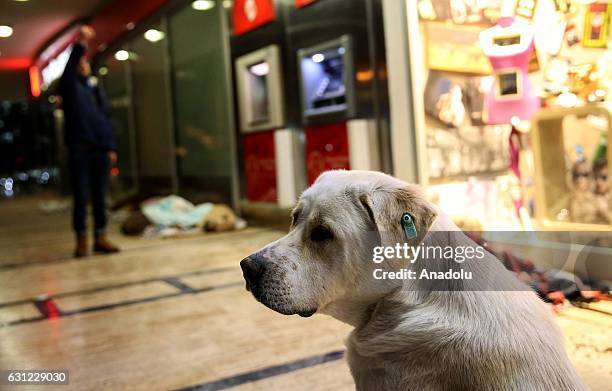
(114, 76)
(205, 140)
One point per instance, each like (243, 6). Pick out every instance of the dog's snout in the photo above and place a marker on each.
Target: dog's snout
(251, 270)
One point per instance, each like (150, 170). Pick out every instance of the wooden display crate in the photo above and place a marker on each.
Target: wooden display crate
(552, 138)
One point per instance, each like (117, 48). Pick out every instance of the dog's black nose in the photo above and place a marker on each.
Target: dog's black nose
(251, 270)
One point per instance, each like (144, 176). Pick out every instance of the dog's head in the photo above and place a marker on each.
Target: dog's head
(327, 255)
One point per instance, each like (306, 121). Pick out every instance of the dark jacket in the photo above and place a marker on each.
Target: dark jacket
(85, 108)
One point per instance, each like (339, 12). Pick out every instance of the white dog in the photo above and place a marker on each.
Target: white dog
(488, 333)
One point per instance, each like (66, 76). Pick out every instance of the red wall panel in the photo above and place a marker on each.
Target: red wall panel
(260, 167)
(326, 149)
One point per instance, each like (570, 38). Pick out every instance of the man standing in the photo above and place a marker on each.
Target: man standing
(91, 145)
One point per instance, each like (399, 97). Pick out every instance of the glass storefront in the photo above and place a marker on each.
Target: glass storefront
(114, 76)
(148, 60)
(202, 103)
(169, 88)
(510, 100)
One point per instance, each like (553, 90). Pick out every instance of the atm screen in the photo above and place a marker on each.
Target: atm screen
(508, 84)
(258, 92)
(331, 86)
(324, 79)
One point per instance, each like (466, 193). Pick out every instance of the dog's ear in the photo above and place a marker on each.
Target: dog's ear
(385, 208)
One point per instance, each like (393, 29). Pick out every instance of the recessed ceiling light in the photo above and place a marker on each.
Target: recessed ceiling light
(21, 1)
(203, 5)
(153, 35)
(5, 31)
(122, 55)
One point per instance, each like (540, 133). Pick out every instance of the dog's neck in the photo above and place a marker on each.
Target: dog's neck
(358, 313)
(351, 311)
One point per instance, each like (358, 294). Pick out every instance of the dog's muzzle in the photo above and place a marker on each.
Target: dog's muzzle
(252, 269)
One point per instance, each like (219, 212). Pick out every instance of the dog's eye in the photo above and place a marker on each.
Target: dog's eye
(321, 234)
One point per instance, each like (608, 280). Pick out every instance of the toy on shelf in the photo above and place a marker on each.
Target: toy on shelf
(603, 198)
(509, 46)
(596, 22)
(582, 205)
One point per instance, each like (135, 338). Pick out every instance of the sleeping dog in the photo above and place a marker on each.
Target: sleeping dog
(489, 333)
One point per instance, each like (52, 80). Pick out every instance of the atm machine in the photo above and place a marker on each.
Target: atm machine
(271, 152)
(270, 140)
(336, 74)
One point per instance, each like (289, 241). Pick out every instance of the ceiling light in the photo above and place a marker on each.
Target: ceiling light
(203, 5)
(153, 35)
(5, 31)
(122, 55)
(22, 1)
(318, 58)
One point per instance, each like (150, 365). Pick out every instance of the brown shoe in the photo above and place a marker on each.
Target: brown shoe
(103, 246)
(81, 247)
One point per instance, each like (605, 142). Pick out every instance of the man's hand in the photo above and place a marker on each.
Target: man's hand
(112, 156)
(86, 33)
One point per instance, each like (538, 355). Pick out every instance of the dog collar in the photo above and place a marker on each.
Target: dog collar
(409, 226)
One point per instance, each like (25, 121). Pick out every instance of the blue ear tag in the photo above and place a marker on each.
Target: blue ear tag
(409, 227)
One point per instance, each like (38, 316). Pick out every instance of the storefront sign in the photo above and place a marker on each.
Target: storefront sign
(326, 149)
(303, 3)
(251, 14)
(260, 167)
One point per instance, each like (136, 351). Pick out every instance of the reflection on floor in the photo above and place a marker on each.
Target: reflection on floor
(174, 314)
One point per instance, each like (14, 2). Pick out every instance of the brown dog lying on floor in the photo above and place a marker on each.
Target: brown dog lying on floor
(491, 333)
(221, 218)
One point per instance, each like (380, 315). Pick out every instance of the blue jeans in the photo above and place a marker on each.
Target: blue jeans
(90, 169)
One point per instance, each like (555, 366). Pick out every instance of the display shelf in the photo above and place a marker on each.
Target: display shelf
(565, 142)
